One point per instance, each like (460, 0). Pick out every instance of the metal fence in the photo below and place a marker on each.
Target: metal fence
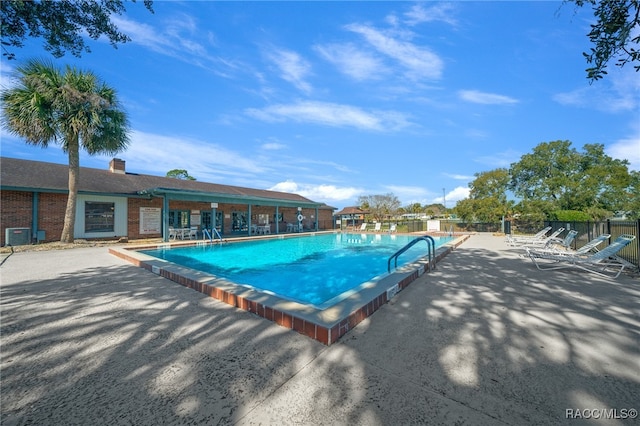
(588, 231)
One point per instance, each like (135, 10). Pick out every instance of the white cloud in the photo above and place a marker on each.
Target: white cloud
(273, 146)
(419, 14)
(452, 197)
(419, 62)
(411, 193)
(617, 92)
(177, 39)
(478, 97)
(626, 149)
(7, 77)
(458, 177)
(500, 159)
(330, 114)
(206, 161)
(293, 68)
(352, 61)
(322, 192)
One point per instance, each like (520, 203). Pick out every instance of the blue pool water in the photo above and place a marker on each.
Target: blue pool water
(311, 269)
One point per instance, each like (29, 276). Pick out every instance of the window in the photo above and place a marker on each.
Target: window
(179, 218)
(239, 221)
(263, 219)
(98, 216)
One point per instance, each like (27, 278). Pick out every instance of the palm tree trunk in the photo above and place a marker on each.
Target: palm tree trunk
(68, 230)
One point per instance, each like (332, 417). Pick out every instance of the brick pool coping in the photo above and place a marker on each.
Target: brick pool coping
(324, 325)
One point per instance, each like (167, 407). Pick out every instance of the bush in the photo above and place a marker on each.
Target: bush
(570, 216)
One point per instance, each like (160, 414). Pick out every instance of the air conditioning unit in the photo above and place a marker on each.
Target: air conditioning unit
(17, 236)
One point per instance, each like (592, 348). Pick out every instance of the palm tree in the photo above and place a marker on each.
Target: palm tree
(72, 108)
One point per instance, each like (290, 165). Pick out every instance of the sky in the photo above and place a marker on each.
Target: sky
(336, 100)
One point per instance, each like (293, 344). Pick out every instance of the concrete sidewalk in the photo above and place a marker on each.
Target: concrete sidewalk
(484, 339)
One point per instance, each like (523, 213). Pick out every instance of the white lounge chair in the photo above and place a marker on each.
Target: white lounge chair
(597, 262)
(193, 233)
(585, 249)
(393, 228)
(377, 227)
(513, 238)
(363, 227)
(593, 244)
(172, 233)
(541, 241)
(565, 243)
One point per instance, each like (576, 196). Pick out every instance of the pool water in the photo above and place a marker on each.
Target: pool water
(313, 269)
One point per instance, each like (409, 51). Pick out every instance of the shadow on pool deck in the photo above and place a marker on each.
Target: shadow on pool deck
(484, 339)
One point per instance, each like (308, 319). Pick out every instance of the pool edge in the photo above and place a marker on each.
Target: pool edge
(324, 325)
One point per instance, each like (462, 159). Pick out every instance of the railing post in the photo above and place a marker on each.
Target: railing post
(638, 242)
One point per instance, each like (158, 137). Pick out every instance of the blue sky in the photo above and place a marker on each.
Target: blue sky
(333, 100)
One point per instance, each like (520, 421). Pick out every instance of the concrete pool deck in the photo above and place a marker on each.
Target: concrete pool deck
(486, 338)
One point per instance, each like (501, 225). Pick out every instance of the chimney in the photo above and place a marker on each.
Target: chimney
(116, 166)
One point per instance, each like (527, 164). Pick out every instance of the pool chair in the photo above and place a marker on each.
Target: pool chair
(605, 262)
(539, 239)
(172, 233)
(377, 228)
(593, 244)
(561, 244)
(363, 227)
(392, 228)
(512, 238)
(193, 233)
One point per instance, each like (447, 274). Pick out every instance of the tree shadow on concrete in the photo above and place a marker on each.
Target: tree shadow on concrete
(523, 346)
(484, 339)
(121, 345)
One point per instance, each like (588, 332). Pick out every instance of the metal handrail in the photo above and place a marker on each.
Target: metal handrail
(205, 232)
(430, 244)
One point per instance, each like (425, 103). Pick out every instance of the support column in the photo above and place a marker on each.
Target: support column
(165, 218)
(34, 215)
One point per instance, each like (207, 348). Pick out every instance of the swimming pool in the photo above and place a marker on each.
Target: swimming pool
(326, 321)
(318, 269)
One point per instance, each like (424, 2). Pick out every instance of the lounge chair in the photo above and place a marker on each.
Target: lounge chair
(193, 233)
(513, 238)
(377, 228)
(172, 233)
(539, 242)
(363, 227)
(392, 228)
(565, 243)
(593, 244)
(597, 262)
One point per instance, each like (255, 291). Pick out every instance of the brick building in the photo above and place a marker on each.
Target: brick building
(113, 203)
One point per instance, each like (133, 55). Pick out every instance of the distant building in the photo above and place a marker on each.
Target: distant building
(114, 203)
(351, 216)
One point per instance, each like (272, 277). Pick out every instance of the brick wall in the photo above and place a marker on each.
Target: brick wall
(15, 208)
(133, 216)
(51, 209)
(15, 212)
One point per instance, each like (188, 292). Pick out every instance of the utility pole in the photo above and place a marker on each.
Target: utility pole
(444, 200)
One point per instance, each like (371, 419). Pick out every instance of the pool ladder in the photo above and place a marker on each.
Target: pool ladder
(431, 252)
(205, 233)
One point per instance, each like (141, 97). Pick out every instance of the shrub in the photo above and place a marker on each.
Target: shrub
(570, 216)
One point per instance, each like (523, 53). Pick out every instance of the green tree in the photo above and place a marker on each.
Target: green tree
(616, 34)
(380, 206)
(72, 108)
(566, 179)
(180, 174)
(61, 23)
(632, 196)
(487, 200)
